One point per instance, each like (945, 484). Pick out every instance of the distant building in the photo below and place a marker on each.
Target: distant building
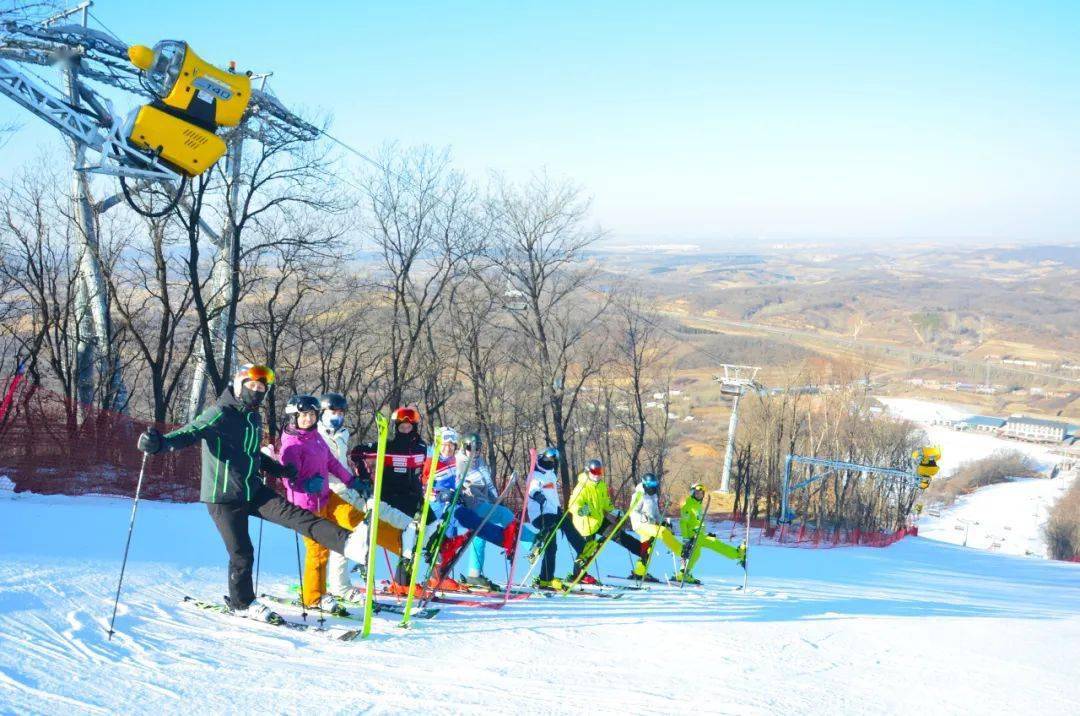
(1019, 426)
(982, 423)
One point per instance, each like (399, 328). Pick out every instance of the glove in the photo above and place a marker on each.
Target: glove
(151, 441)
(742, 554)
(313, 484)
(288, 471)
(583, 511)
(363, 487)
(667, 523)
(711, 534)
(617, 514)
(539, 498)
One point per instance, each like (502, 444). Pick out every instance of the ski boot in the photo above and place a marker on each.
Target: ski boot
(481, 581)
(686, 577)
(352, 594)
(256, 611)
(639, 573)
(445, 584)
(554, 584)
(399, 589)
(591, 581)
(328, 604)
(510, 539)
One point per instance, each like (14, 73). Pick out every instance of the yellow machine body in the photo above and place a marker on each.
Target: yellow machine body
(231, 92)
(188, 148)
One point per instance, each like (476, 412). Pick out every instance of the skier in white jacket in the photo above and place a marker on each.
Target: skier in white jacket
(333, 430)
(649, 522)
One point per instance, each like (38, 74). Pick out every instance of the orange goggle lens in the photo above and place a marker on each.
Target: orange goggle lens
(406, 415)
(260, 372)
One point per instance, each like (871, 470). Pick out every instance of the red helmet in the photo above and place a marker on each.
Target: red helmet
(596, 467)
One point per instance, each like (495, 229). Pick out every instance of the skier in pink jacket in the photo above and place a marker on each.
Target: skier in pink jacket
(303, 447)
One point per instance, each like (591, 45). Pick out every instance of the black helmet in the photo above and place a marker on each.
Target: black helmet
(471, 442)
(548, 458)
(301, 404)
(333, 401)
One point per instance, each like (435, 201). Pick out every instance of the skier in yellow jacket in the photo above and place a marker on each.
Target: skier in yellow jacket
(691, 518)
(592, 514)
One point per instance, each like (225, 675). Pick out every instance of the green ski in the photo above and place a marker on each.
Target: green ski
(596, 553)
(373, 530)
(429, 494)
(694, 541)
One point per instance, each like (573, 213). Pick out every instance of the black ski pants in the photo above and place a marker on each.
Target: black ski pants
(231, 520)
(544, 525)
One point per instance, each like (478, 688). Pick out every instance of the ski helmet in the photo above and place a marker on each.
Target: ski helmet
(650, 483)
(333, 401)
(696, 488)
(405, 415)
(471, 443)
(595, 467)
(263, 374)
(301, 404)
(548, 459)
(449, 435)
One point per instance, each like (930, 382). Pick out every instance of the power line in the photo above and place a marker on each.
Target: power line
(400, 177)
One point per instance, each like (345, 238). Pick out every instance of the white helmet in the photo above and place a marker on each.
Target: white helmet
(449, 435)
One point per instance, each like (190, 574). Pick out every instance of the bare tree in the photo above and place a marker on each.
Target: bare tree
(539, 241)
(422, 225)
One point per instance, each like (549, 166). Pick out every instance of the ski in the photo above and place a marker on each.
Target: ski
(579, 592)
(431, 551)
(373, 531)
(584, 568)
(694, 541)
(521, 524)
(377, 606)
(280, 622)
(429, 494)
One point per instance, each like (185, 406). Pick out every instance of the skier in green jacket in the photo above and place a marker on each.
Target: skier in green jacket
(690, 518)
(231, 434)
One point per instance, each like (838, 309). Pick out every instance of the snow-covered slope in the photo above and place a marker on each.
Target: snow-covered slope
(918, 627)
(1008, 517)
(960, 446)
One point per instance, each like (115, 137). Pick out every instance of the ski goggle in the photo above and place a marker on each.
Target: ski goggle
(406, 415)
(263, 374)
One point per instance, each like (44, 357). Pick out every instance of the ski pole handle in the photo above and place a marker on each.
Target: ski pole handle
(127, 544)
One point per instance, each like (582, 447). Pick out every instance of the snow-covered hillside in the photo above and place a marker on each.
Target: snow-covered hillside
(1008, 517)
(921, 626)
(959, 446)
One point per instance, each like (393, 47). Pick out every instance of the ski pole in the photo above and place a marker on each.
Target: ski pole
(745, 570)
(127, 544)
(300, 574)
(258, 557)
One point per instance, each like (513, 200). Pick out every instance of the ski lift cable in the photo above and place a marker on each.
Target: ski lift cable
(105, 27)
(399, 177)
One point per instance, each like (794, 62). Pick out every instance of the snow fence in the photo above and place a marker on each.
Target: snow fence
(50, 444)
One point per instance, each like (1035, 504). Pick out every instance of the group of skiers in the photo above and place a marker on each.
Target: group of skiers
(329, 501)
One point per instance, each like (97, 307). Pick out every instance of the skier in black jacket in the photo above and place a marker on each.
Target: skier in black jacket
(231, 433)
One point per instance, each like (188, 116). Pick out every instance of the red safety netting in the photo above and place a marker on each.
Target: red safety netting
(51, 445)
(762, 531)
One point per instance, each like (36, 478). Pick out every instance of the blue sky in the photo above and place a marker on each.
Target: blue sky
(692, 121)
